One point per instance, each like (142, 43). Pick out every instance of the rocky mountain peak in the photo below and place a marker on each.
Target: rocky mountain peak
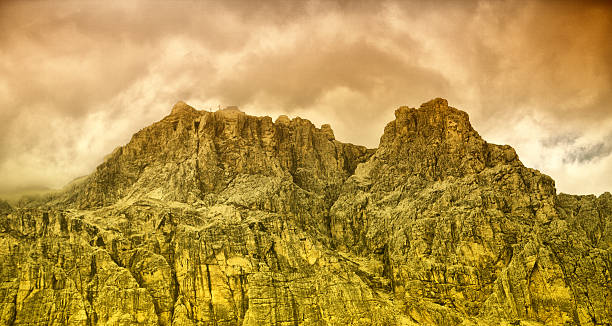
(437, 103)
(181, 107)
(283, 119)
(433, 119)
(223, 218)
(191, 155)
(436, 141)
(327, 130)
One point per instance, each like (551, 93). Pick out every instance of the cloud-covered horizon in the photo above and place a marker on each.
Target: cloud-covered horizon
(78, 78)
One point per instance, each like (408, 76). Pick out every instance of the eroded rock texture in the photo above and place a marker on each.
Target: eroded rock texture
(228, 219)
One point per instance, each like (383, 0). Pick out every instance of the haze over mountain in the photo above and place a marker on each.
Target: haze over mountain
(78, 77)
(222, 218)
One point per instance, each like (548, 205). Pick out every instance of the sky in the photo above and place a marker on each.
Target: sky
(78, 78)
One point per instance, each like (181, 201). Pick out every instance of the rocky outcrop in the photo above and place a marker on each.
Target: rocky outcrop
(464, 227)
(192, 155)
(221, 218)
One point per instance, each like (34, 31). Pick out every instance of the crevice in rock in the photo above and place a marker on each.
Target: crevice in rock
(45, 222)
(88, 297)
(228, 283)
(114, 255)
(388, 266)
(93, 268)
(210, 302)
(175, 286)
(198, 171)
(141, 284)
(13, 316)
(244, 298)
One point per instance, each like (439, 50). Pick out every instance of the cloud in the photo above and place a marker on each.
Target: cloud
(78, 78)
(559, 140)
(591, 152)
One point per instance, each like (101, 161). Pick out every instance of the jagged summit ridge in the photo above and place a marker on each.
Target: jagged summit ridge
(190, 149)
(190, 154)
(222, 218)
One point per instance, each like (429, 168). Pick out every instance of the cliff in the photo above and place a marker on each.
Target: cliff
(221, 218)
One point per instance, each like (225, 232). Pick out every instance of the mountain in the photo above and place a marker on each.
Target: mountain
(221, 218)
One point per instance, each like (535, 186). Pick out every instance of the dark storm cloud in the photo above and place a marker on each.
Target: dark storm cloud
(589, 153)
(559, 140)
(77, 78)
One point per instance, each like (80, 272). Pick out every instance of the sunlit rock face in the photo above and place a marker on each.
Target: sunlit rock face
(221, 218)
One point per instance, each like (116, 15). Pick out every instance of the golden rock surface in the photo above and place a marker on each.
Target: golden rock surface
(221, 218)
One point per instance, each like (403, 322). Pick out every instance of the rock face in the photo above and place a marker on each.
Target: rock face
(228, 219)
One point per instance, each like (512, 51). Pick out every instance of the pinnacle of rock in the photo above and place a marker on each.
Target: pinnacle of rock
(437, 103)
(223, 218)
(327, 130)
(182, 107)
(283, 119)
